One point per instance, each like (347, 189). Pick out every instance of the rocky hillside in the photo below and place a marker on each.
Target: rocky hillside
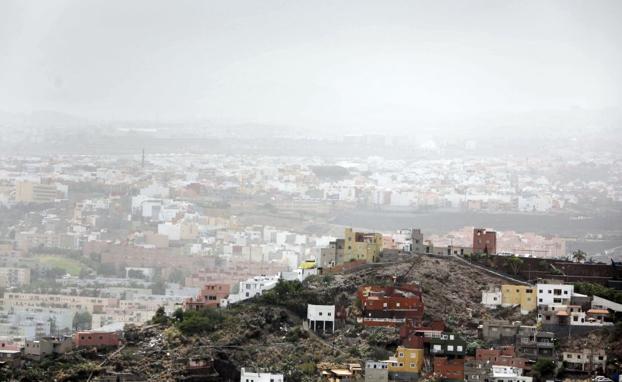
(267, 332)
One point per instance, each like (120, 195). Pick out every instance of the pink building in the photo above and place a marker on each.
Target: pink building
(95, 339)
(209, 297)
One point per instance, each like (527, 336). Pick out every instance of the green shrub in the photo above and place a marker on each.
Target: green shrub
(200, 321)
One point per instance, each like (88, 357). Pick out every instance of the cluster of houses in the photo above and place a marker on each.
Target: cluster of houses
(36, 349)
(557, 305)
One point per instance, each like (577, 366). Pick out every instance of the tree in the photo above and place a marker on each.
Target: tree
(579, 256)
(178, 314)
(136, 274)
(158, 286)
(543, 369)
(82, 321)
(200, 321)
(160, 316)
(514, 263)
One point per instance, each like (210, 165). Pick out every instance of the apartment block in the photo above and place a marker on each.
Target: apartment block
(14, 277)
(30, 192)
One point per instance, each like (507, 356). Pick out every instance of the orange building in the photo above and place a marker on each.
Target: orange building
(209, 297)
(390, 305)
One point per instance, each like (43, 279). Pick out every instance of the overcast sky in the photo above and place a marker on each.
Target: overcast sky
(308, 62)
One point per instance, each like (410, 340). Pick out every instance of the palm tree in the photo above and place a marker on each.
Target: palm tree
(514, 263)
(579, 256)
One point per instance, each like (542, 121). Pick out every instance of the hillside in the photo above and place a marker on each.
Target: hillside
(267, 332)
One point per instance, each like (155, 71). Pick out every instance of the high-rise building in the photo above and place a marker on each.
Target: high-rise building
(30, 192)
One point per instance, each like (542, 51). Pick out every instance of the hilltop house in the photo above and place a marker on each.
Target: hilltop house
(390, 306)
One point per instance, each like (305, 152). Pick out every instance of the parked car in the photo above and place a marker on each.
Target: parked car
(600, 378)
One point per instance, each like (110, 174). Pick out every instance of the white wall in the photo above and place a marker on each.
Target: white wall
(547, 295)
(321, 312)
(246, 376)
(491, 299)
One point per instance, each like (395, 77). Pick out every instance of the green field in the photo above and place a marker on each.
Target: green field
(72, 267)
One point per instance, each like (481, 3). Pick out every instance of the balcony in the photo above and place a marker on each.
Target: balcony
(545, 345)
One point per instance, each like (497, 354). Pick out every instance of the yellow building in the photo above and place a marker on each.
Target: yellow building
(362, 246)
(307, 264)
(519, 295)
(406, 360)
(29, 192)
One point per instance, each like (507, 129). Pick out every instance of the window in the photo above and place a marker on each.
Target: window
(450, 347)
(401, 364)
(320, 313)
(412, 365)
(401, 355)
(329, 314)
(578, 356)
(459, 347)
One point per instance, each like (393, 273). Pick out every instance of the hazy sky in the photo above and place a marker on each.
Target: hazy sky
(308, 62)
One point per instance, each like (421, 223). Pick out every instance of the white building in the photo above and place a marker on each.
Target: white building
(321, 315)
(249, 376)
(508, 374)
(491, 298)
(251, 288)
(554, 294)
